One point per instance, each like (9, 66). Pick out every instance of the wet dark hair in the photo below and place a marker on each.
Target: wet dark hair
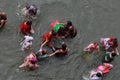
(64, 47)
(73, 32)
(32, 12)
(69, 23)
(54, 33)
(115, 41)
(44, 51)
(29, 23)
(33, 61)
(61, 31)
(99, 74)
(113, 54)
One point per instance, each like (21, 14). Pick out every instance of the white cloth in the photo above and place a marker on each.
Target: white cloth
(28, 38)
(105, 42)
(26, 42)
(33, 7)
(94, 77)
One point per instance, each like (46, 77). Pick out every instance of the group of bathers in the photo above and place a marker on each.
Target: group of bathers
(57, 30)
(60, 30)
(111, 50)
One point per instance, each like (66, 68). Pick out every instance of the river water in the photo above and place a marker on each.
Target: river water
(92, 18)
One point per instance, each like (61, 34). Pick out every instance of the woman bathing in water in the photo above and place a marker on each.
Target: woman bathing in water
(93, 47)
(100, 71)
(30, 62)
(110, 43)
(95, 75)
(3, 19)
(42, 54)
(105, 68)
(26, 43)
(59, 52)
(26, 27)
(64, 30)
(70, 29)
(48, 39)
(30, 10)
(109, 57)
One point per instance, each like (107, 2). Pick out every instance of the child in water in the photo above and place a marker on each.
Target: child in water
(92, 47)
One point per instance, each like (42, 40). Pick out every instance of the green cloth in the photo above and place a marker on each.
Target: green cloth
(57, 27)
(108, 56)
(41, 57)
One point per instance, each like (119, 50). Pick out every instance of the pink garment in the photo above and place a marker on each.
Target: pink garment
(53, 24)
(105, 68)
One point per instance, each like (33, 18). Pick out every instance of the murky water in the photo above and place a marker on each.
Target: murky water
(92, 18)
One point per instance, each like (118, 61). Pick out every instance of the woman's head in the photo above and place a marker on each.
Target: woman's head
(61, 31)
(3, 14)
(95, 43)
(29, 23)
(99, 74)
(64, 46)
(44, 51)
(33, 60)
(113, 54)
(32, 9)
(69, 23)
(115, 41)
(54, 33)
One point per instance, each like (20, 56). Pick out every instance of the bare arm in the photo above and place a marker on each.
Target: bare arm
(44, 43)
(2, 23)
(117, 52)
(32, 30)
(53, 53)
(87, 47)
(108, 52)
(97, 49)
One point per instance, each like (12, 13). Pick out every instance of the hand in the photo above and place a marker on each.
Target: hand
(117, 53)
(63, 37)
(40, 49)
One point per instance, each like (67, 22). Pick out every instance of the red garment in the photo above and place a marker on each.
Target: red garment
(53, 24)
(48, 37)
(103, 69)
(24, 28)
(115, 45)
(111, 40)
